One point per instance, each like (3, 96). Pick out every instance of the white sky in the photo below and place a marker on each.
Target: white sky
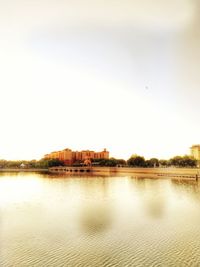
(93, 74)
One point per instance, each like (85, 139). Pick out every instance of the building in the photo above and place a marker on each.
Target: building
(70, 157)
(195, 152)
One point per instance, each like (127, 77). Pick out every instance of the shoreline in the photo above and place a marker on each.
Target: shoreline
(156, 173)
(151, 173)
(23, 170)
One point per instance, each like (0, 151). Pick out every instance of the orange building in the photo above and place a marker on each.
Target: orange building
(70, 157)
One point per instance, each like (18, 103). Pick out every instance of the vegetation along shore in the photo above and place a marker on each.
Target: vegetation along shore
(134, 161)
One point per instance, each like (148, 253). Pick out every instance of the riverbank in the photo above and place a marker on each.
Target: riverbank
(185, 173)
(154, 173)
(23, 170)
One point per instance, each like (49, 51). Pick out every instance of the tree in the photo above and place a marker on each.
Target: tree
(112, 162)
(185, 161)
(121, 162)
(47, 163)
(163, 162)
(188, 161)
(153, 162)
(175, 161)
(136, 161)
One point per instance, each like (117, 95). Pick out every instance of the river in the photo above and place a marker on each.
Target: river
(58, 221)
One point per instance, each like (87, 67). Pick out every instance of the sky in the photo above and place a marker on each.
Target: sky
(94, 74)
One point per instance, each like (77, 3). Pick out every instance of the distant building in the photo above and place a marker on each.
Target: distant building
(195, 152)
(22, 165)
(70, 157)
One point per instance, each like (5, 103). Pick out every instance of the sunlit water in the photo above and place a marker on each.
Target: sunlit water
(98, 222)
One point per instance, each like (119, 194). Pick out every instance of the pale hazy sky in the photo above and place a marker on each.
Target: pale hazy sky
(92, 74)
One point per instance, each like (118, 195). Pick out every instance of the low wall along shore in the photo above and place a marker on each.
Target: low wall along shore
(23, 170)
(182, 173)
(192, 173)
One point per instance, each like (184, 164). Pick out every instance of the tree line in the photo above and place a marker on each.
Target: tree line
(140, 161)
(177, 161)
(133, 161)
(31, 164)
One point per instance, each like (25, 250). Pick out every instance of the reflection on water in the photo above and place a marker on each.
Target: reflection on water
(95, 217)
(94, 221)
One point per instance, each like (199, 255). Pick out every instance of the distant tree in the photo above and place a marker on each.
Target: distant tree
(136, 161)
(163, 163)
(47, 163)
(185, 161)
(188, 161)
(3, 163)
(112, 162)
(175, 161)
(32, 164)
(153, 162)
(121, 162)
(55, 162)
(13, 164)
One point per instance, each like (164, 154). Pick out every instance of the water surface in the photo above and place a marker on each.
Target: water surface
(98, 222)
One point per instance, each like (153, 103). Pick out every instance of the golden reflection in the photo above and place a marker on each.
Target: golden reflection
(94, 213)
(151, 196)
(98, 222)
(95, 217)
